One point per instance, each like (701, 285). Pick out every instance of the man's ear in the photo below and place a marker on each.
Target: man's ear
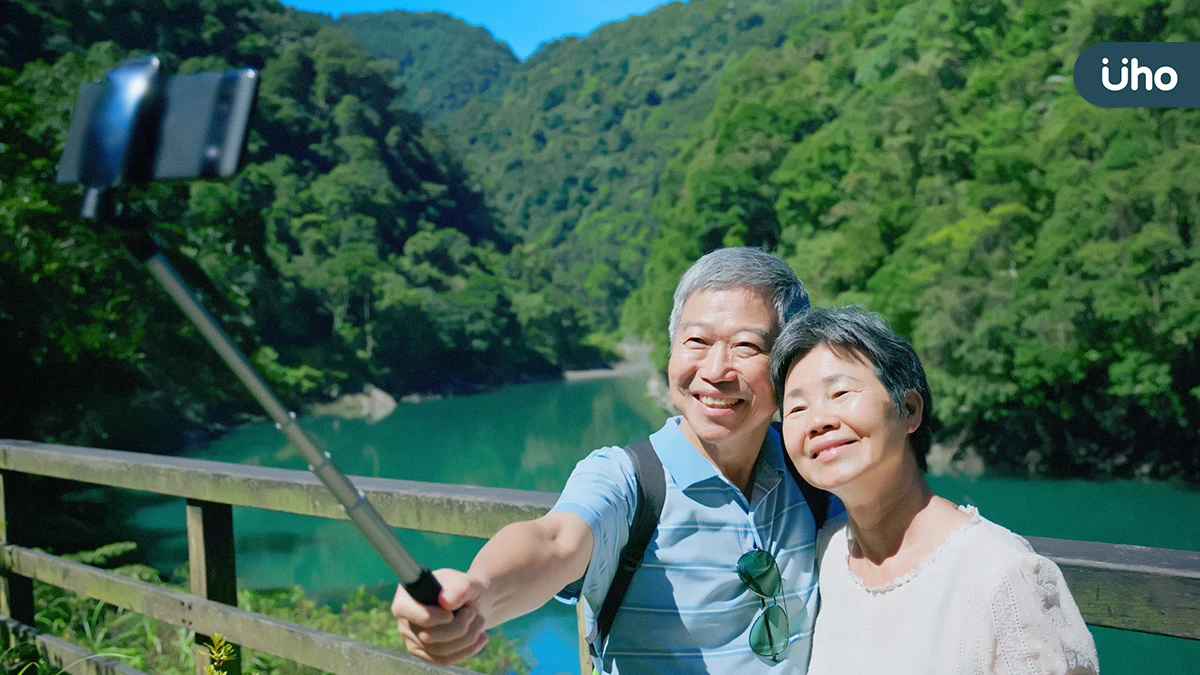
(914, 410)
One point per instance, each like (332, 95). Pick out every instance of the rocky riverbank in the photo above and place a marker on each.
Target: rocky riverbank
(372, 404)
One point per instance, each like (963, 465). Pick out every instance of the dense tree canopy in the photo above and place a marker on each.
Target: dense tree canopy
(443, 62)
(350, 248)
(933, 161)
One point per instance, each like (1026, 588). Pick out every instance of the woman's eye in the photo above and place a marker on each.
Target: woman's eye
(797, 409)
(840, 393)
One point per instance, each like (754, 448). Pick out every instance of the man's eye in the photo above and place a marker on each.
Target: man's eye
(749, 348)
(694, 342)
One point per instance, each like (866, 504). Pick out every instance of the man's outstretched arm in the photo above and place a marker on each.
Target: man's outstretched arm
(516, 572)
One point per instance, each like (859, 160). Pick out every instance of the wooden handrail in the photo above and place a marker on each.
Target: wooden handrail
(211, 487)
(1133, 588)
(1149, 590)
(464, 510)
(328, 652)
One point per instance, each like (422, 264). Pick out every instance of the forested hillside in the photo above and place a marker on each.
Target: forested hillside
(444, 62)
(349, 249)
(933, 161)
(570, 151)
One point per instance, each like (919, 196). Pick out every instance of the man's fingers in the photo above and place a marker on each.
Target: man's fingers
(467, 624)
(465, 653)
(439, 634)
(457, 589)
(451, 643)
(406, 632)
(405, 608)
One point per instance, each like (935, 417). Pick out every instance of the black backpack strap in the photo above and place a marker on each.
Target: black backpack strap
(651, 494)
(818, 499)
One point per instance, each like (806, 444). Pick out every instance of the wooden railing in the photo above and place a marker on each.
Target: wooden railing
(1127, 587)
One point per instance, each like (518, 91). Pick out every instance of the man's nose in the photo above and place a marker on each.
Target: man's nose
(717, 366)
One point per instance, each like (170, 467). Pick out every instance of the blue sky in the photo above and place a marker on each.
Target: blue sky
(523, 24)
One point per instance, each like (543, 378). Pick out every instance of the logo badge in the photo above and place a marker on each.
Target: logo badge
(1140, 74)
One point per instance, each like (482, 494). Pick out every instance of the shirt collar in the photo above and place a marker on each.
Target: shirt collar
(688, 467)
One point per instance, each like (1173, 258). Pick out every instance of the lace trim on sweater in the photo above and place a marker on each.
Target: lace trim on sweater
(919, 569)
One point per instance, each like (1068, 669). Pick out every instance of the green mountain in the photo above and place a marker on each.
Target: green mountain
(350, 248)
(571, 150)
(930, 160)
(568, 146)
(444, 62)
(933, 161)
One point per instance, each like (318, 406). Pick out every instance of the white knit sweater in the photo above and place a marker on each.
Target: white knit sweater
(983, 602)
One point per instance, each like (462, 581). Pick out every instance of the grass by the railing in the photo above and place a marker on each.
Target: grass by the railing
(24, 659)
(219, 653)
(156, 647)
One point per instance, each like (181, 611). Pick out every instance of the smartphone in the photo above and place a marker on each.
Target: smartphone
(200, 132)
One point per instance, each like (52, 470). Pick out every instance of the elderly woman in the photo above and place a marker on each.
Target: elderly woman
(909, 582)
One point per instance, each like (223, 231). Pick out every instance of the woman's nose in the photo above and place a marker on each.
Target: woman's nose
(822, 422)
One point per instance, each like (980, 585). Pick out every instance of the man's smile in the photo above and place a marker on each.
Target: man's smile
(718, 402)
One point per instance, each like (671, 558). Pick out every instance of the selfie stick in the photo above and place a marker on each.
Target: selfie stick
(129, 95)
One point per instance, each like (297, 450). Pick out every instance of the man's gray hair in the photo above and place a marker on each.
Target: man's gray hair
(742, 267)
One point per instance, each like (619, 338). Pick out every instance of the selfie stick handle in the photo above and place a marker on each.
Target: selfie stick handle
(417, 580)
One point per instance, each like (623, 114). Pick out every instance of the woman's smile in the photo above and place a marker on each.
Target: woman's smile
(829, 449)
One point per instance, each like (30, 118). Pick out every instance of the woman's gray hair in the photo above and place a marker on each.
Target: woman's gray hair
(742, 267)
(858, 333)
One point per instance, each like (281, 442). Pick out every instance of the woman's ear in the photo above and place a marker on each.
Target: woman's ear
(914, 410)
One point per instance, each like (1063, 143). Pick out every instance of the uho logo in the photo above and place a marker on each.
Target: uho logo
(1164, 78)
(1139, 74)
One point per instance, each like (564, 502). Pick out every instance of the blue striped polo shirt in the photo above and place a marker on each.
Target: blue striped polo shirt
(686, 610)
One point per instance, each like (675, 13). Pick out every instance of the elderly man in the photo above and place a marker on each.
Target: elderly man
(727, 583)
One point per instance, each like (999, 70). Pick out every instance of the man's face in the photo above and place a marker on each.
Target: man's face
(718, 371)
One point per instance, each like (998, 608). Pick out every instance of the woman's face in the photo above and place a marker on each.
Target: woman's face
(840, 426)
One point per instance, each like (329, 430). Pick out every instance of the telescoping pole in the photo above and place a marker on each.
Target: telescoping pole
(114, 141)
(417, 580)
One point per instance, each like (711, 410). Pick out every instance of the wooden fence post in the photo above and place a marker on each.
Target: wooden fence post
(213, 570)
(16, 592)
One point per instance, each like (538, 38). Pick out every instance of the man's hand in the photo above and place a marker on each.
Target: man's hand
(449, 633)
(516, 572)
